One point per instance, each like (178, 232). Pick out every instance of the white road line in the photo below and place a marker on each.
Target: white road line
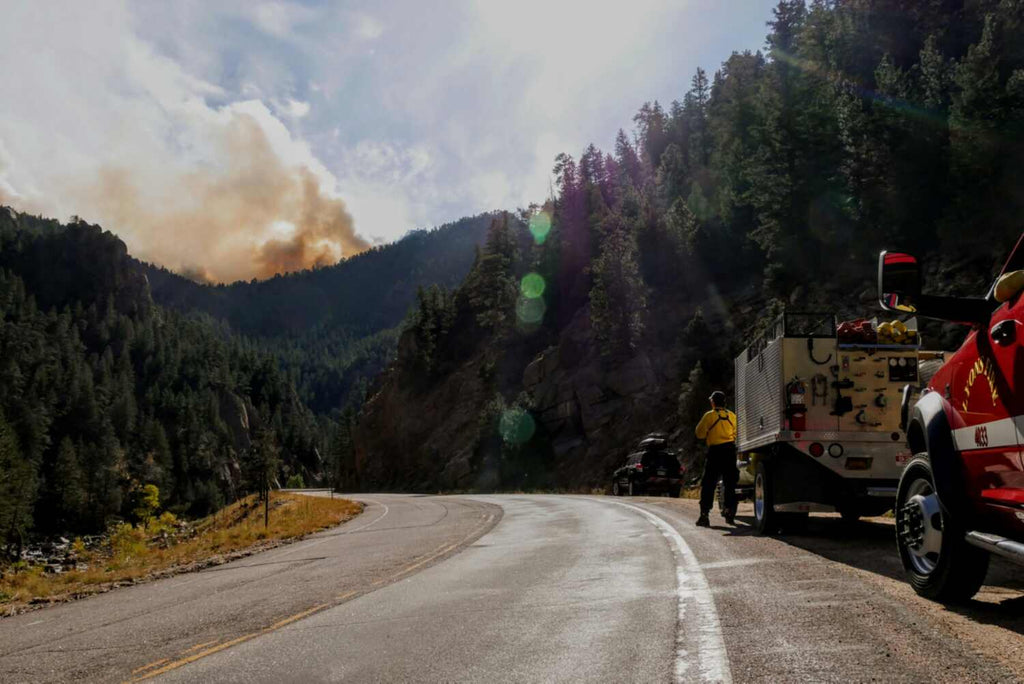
(692, 589)
(375, 520)
(306, 547)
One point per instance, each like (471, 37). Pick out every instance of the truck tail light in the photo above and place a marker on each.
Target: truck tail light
(816, 449)
(835, 450)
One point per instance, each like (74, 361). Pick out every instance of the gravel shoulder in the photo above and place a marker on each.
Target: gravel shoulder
(831, 604)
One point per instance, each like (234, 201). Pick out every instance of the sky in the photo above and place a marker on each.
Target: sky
(237, 139)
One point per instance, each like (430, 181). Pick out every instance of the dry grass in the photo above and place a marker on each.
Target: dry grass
(137, 553)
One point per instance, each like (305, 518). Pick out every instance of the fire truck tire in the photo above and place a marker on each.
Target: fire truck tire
(938, 561)
(764, 506)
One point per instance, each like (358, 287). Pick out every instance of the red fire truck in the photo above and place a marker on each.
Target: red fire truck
(961, 497)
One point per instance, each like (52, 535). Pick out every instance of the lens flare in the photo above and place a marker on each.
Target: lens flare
(516, 426)
(530, 311)
(540, 226)
(532, 285)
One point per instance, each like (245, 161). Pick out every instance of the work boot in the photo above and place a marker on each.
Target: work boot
(730, 516)
(703, 521)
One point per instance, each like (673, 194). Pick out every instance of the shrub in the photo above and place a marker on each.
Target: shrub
(147, 503)
(165, 523)
(126, 541)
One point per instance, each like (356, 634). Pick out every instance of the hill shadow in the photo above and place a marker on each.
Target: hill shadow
(870, 545)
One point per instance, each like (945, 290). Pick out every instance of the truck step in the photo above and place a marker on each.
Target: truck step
(1002, 546)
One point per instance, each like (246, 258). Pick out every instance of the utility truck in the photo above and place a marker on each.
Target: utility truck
(818, 409)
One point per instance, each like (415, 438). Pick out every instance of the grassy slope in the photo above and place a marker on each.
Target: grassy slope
(134, 554)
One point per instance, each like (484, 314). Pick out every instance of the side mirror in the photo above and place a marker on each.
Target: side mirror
(899, 289)
(899, 282)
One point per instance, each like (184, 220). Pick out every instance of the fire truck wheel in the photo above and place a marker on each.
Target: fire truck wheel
(939, 562)
(764, 507)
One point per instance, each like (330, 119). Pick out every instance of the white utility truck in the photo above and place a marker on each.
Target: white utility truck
(819, 416)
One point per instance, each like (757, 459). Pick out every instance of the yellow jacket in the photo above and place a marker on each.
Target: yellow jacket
(718, 426)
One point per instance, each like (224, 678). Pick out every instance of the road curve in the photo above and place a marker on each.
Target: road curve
(147, 629)
(563, 588)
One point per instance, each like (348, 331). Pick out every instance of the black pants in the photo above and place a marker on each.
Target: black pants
(720, 463)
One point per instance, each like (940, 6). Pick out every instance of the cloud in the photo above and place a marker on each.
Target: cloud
(292, 108)
(280, 19)
(367, 27)
(415, 113)
(106, 128)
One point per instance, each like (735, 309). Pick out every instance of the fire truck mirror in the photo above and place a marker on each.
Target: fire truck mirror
(899, 281)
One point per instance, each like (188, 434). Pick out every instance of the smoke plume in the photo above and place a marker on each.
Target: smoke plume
(250, 216)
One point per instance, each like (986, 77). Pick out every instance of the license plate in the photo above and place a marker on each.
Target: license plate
(661, 472)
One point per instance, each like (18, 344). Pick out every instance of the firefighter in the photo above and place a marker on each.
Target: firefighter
(718, 429)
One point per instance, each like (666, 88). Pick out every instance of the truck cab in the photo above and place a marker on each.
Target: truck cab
(961, 496)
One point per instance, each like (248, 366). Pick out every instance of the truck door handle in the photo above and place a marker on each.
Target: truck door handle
(1005, 332)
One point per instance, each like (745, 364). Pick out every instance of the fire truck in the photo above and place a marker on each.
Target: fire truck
(961, 497)
(819, 416)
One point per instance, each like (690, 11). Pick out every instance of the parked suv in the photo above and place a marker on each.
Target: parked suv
(651, 469)
(961, 496)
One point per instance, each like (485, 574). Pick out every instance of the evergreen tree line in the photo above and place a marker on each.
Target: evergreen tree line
(774, 181)
(333, 329)
(102, 392)
(864, 124)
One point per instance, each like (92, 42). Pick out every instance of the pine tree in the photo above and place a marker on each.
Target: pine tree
(67, 485)
(17, 490)
(490, 289)
(618, 298)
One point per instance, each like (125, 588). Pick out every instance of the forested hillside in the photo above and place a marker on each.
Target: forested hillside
(102, 391)
(334, 328)
(540, 344)
(774, 181)
(203, 391)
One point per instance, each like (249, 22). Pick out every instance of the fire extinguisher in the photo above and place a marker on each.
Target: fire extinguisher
(796, 408)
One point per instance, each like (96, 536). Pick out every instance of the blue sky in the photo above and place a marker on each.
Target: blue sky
(190, 128)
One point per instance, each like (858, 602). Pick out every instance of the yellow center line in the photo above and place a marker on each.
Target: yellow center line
(166, 666)
(199, 646)
(151, 665)
(228, 644)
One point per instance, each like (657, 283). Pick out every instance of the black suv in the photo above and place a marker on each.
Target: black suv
(651, 469)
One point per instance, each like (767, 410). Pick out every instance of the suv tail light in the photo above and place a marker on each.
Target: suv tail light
(639, 467)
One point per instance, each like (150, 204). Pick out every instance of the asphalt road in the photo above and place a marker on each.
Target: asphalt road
(137, 631)
(536, 588)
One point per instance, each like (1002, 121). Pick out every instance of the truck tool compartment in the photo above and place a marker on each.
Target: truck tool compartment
(819, 409)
